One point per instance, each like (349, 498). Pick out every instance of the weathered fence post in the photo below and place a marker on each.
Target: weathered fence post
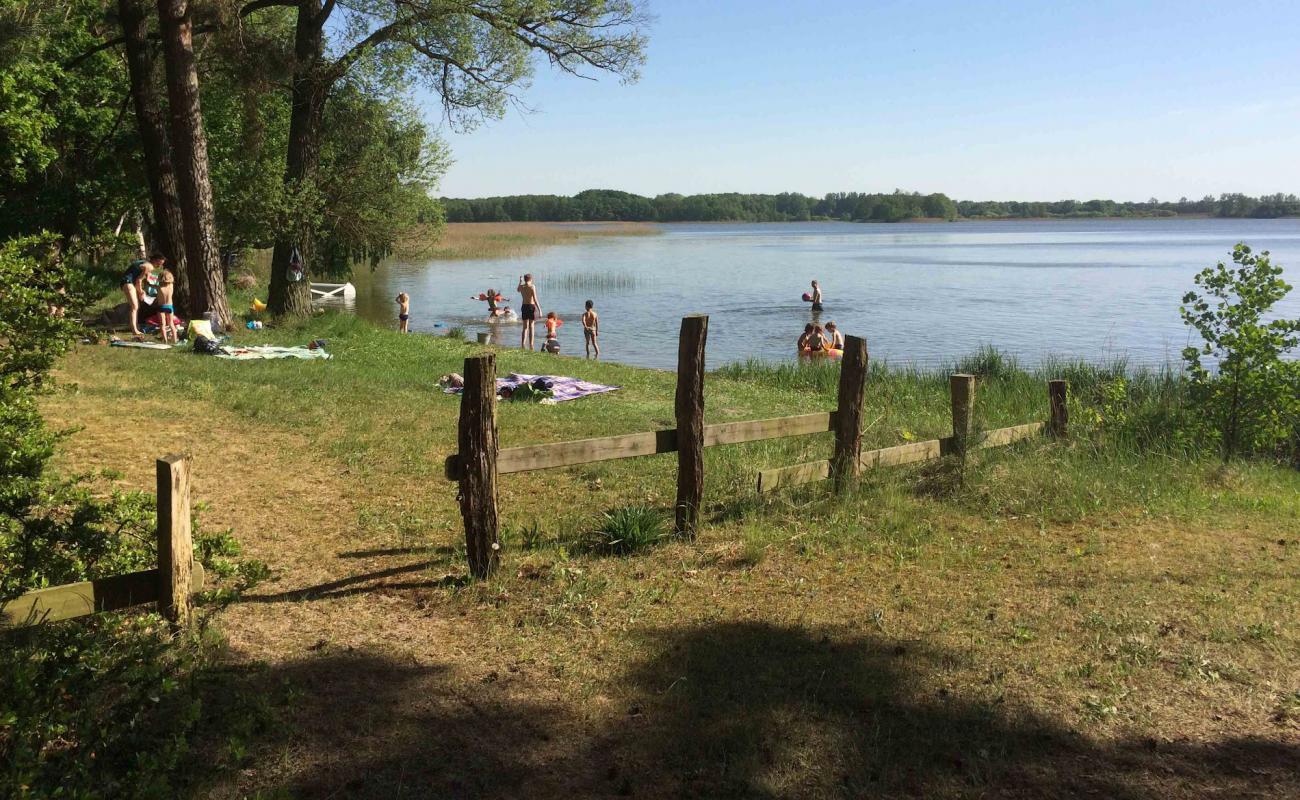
(175, 545)
(1058, 394)
(845, 467)
(690, 424)
(477, 443)
(962, 388)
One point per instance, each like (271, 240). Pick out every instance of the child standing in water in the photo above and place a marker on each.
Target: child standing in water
(166, 288)
(816, 296)
(404, 312)
(590, 329)
(552, 343)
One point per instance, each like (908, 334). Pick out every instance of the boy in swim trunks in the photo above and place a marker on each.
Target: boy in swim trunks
(527, 310)
(404, 313)
(166, 288)
(836, 338)
(590, 329)
(816, 297)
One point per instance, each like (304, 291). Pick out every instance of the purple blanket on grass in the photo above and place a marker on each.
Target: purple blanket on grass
(565, 388)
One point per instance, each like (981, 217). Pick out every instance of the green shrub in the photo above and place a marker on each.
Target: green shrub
(99, 707)
(103, 706)
(1248, 395)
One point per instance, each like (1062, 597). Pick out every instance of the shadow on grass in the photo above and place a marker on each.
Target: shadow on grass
(738, 710)
(357, 584)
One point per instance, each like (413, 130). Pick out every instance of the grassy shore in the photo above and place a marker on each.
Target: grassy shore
(1112, 616)
(469, 240)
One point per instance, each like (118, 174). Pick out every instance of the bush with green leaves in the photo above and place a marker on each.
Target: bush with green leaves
(1247, 393)
(101, 706)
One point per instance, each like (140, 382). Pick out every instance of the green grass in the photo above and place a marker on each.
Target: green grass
(1030, 620)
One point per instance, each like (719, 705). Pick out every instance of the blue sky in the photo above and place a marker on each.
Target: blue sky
(982, 100)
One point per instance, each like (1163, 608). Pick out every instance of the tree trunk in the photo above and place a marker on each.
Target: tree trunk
(292, 298)
(190, 148)
(168, 232)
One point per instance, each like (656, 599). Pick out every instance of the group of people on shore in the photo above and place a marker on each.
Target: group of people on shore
(148, 281)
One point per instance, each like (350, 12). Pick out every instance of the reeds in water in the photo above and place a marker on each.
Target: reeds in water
(598, 282)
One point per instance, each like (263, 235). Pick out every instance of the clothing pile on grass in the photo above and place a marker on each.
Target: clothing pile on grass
(544, 389)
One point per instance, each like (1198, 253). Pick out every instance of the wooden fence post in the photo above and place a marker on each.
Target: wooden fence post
(1058, 394)
(845, 467)
(962, 388)
(690, 424)
(477, 442)
(175, 545)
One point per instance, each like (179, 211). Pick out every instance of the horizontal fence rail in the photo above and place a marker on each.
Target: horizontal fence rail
(169, 586)
(769, 480)
(632, 445)
(114, 593)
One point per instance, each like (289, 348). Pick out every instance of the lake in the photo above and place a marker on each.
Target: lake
(922, 293)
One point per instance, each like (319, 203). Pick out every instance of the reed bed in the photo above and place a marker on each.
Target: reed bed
(475, 240)
(599, 282)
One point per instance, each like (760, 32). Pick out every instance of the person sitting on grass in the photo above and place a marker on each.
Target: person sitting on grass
(590, 329)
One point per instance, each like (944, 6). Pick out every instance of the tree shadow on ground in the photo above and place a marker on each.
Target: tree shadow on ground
(743, 710)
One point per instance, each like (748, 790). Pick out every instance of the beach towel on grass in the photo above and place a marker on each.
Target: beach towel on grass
(565, 388)
(141, 345)
(255, 352)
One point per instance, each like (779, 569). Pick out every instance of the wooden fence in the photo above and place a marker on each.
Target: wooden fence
(170, 585)
(479, 461)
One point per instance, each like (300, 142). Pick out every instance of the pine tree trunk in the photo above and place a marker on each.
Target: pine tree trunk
(190, 151)
(289, 298)
(167, 233)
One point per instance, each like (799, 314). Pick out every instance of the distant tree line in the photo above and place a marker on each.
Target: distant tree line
(607, 205)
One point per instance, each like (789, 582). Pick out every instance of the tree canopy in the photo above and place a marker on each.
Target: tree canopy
(611, 205)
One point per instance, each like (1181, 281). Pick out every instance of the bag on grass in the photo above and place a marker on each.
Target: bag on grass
(206, 346)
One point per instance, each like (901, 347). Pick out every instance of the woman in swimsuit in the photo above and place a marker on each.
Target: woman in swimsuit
(133, 281)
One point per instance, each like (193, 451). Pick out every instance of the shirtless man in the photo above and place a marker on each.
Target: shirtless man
(816, 296)
(527, 309)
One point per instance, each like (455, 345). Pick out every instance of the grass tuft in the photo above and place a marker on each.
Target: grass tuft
(627, 530)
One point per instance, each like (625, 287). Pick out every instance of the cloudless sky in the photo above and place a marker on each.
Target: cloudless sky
(1013, 100)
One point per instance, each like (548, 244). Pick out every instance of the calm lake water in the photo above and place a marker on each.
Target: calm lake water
(919, 293)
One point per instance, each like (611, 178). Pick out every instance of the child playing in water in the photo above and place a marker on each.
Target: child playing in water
(590, 329)
(833, 334)
(804, 338)
(553, 323)
(166, 288)
(404, 312)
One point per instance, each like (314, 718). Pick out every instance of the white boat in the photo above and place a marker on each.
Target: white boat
(333, 291)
